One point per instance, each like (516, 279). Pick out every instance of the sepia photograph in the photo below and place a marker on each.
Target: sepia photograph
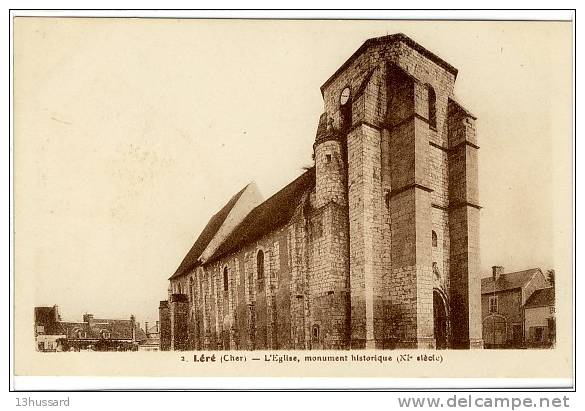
(197, 197)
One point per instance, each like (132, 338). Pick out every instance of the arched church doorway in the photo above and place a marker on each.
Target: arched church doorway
(440, 320)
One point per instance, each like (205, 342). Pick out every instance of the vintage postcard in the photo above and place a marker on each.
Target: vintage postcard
(319, 198)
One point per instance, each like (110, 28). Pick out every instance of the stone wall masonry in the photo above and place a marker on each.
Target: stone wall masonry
(421, 155)
(165, 325)
(365, 218)
(440, 253)
(424, 274)
(179, 309)
(411, 277)
(411, 61)
(251, 314)
(354, 76)
(215, 335)
(465, 278)
(384, 327)
(369, 97)
(439, 176)
(356, 229)
(262, 323)
(298, 284)
(249, 332)
(328, 287)
(410, 221)
(242, 303)
(428, 72)
(330, 173)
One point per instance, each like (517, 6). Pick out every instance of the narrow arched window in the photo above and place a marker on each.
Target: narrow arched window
(191, 286)
(434, 236)
(225, 279)
(432, 107)
(345, 108)
(260, 264)
(316, 333)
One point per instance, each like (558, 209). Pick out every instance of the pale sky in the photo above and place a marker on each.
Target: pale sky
(130, 134)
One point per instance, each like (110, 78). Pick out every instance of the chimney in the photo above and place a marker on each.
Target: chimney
(497, 271)
(146, 328)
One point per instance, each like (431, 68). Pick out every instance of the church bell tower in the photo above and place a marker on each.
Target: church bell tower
(398, 154)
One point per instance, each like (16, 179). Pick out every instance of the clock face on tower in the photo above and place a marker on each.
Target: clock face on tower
(344, 96)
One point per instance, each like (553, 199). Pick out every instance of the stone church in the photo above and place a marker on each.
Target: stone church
(375, 246)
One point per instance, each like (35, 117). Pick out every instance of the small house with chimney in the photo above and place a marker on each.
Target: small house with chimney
(503, 298)
(539, 319)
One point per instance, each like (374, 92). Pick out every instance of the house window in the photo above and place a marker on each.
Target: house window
(328, 158)
(432, 107)
(260, 265)
(225, 279)
(494, 304)
(434, 237)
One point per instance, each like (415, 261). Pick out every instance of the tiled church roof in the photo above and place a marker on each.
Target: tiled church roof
(191, 259)
(266, 217)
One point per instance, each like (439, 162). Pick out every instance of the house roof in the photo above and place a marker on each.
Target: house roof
(392, 38)
(269, 215)
(508, 281)
(117, 329)
(541, 298)
(213, 225)
(140, 335)
(151, 342)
